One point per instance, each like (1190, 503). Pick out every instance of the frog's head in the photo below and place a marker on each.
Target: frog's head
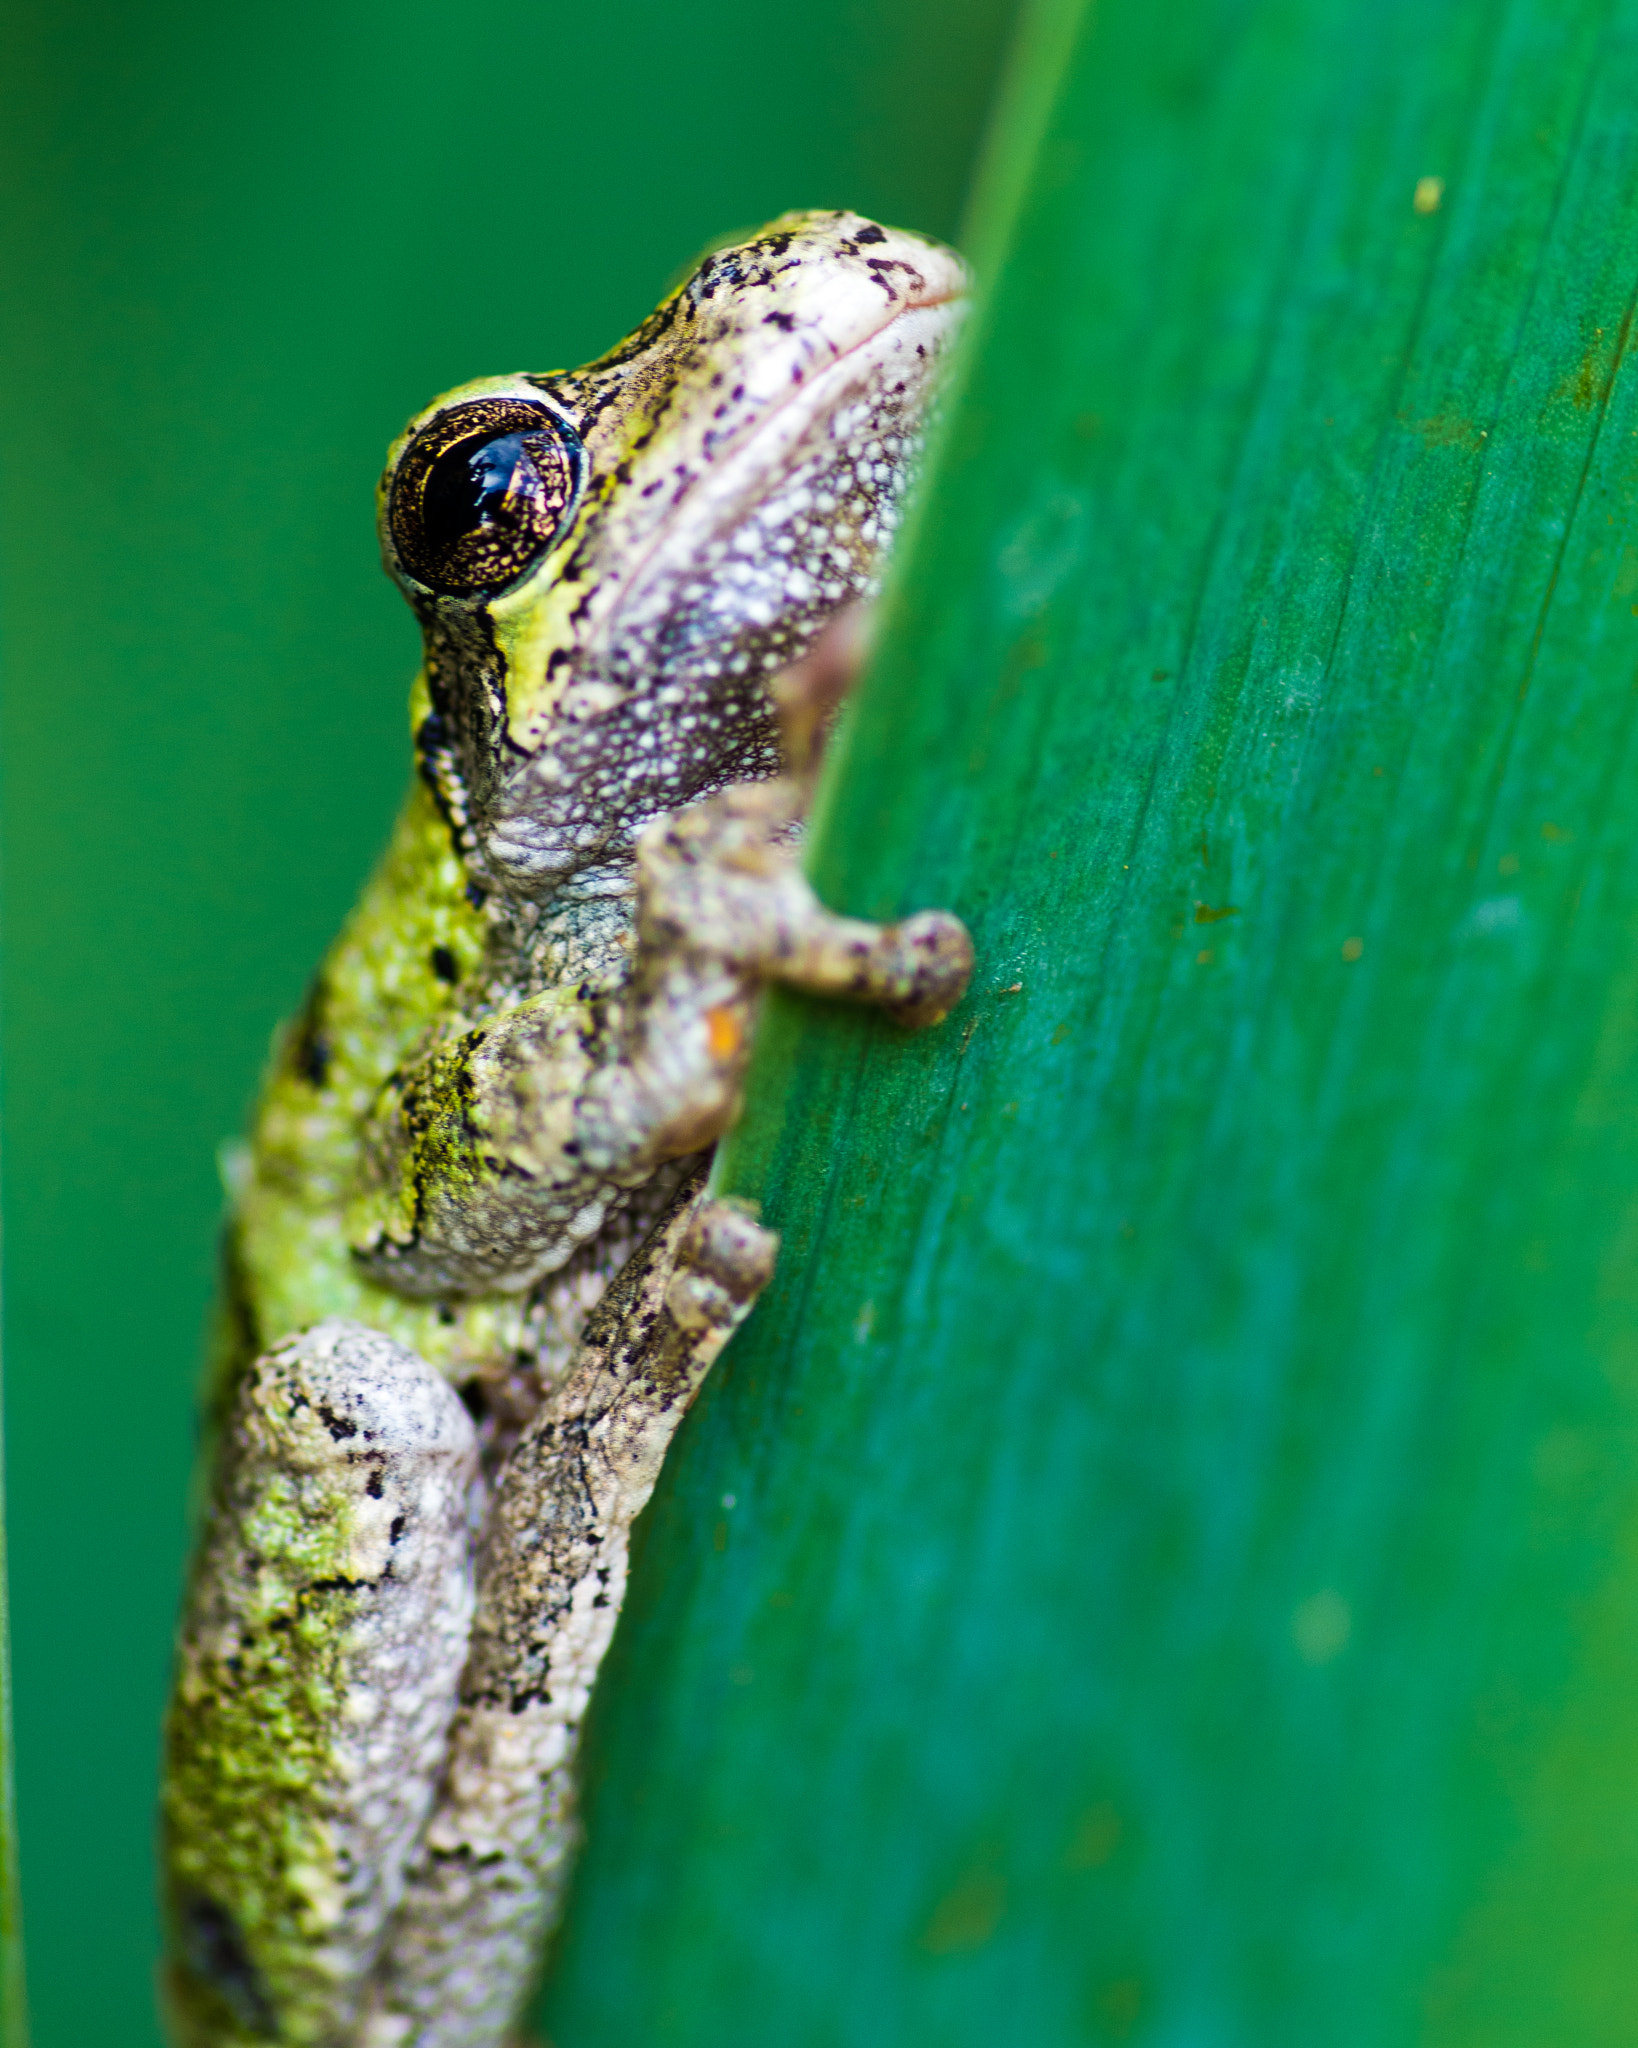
(609, 563)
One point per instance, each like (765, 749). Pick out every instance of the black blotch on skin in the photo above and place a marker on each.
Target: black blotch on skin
(783, 321)
(338, 1425)
(213, 1950)
(397, 1528)
(444, 965)
(309, 1043)
(870, 234)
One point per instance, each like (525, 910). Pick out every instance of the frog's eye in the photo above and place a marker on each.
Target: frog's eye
(481, 493)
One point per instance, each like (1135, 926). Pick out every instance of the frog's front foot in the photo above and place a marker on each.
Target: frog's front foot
(723, 907)
(720, 882)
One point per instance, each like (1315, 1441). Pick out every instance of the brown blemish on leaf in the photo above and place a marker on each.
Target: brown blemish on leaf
(1584, 385)
(1120, 2005)
(1094, 1838)
(1447, 430)
(967, 1915)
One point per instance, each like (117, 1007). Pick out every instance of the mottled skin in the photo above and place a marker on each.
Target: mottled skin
(325, 1631)
(521, 1047)
(485, 1883)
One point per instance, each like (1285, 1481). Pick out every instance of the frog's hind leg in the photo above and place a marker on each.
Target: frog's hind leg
(484, 1890)
(321, 1646)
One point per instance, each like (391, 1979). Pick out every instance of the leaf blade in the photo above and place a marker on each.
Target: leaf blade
(1183, 1526)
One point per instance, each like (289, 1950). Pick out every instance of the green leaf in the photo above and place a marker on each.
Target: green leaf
(1163, 1563)
(13, 1987)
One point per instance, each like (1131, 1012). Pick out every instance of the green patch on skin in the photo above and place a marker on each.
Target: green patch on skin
(377, 998)
(265, 1717)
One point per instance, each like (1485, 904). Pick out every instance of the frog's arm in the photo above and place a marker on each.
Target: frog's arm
(484, 1886)
(498, 1154)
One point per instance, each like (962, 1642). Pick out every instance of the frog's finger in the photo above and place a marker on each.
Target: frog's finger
(484, 1888)
(320, 1652)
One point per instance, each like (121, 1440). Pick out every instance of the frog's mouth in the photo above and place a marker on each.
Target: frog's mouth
(904, 316)
(730, 495)
(746, 526)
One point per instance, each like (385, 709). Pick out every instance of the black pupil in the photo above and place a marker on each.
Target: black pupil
(495, 483)
(481, 493)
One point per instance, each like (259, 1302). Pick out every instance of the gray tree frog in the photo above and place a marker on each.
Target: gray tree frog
(475, 1273)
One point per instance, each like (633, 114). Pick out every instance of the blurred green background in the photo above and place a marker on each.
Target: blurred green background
(239, 246)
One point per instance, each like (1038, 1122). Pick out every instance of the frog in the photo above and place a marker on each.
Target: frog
(476, 1269)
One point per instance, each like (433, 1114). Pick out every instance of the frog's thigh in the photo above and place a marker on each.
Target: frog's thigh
(321, 1647)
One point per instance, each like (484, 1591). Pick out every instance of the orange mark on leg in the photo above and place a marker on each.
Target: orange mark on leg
(723, 1034)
